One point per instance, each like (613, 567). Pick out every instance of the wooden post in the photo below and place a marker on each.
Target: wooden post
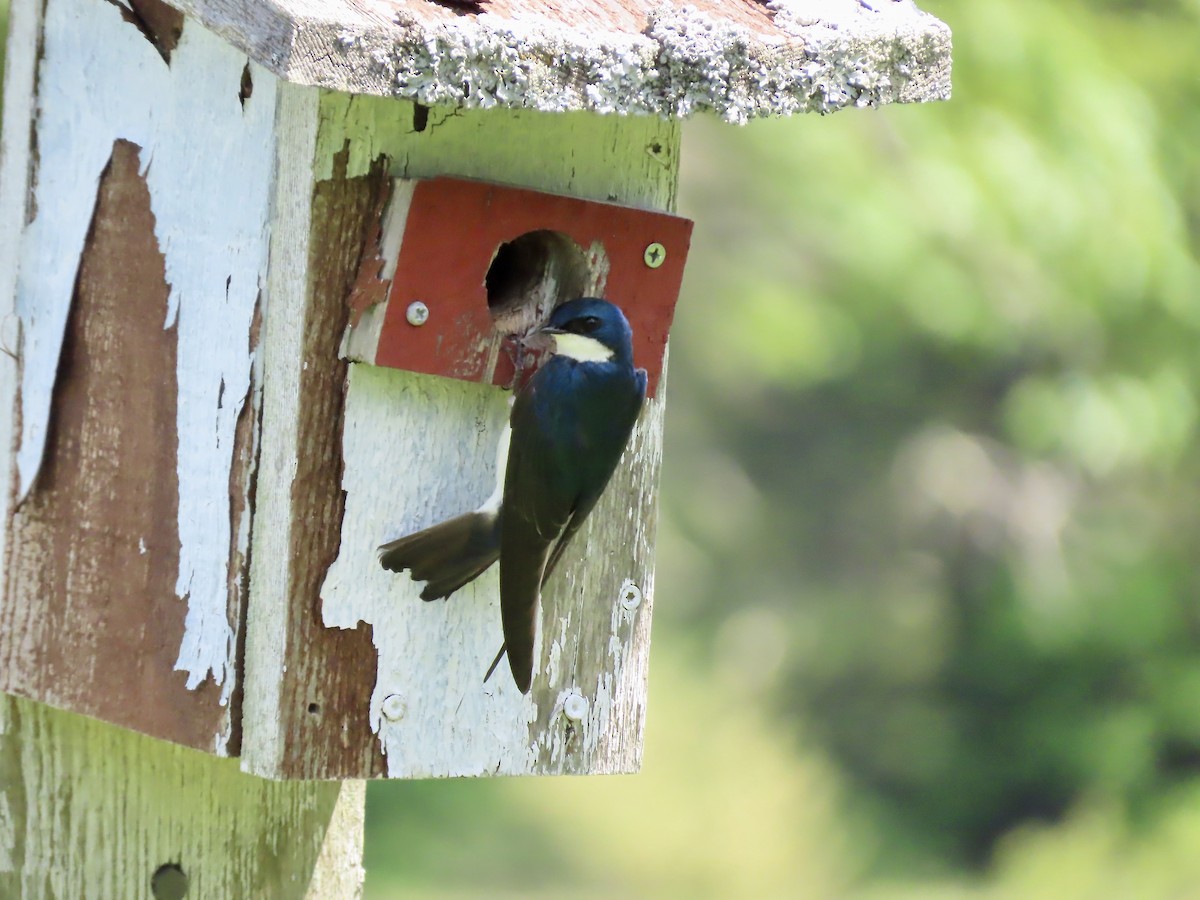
(195, 198)
(91, 810)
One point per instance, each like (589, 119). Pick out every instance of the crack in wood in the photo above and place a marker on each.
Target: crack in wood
(247, 86)
(243, 479)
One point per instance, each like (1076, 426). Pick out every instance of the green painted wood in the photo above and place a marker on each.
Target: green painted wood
(91, 810)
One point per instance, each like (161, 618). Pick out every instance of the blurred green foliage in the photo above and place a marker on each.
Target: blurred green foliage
(942, 401)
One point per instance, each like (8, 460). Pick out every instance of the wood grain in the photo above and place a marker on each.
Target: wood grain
(329, 678)
(91, 621)
(18, 174)
(92, 810)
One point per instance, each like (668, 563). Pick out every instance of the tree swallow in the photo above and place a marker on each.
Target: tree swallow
(569, 426)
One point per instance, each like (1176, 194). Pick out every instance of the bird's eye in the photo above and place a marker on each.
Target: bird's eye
(582, 324)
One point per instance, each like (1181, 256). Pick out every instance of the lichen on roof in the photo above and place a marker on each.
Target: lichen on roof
(738, 58)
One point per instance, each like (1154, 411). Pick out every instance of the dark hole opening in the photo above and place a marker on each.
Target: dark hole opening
(314, 708)
(462, 7)
(420, 117)
(169, 882)
(247, 85)
(532, 274)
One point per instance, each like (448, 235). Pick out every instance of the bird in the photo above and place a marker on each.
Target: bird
(568, 428)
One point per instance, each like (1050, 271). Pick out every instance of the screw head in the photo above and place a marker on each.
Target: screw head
(631, 595)
(393, 707)
(575, 707)
(417, 314)
(654, 255)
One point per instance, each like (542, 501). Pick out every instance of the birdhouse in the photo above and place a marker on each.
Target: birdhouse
(263, 266)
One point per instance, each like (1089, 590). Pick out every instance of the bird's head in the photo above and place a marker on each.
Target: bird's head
(590, 330)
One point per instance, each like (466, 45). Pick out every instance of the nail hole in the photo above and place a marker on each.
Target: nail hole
(462, 7)
(532, 274)
(169, 882)
(314, 708)
(247, 87)
(420, 117)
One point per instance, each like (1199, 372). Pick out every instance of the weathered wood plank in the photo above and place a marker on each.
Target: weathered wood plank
(330, 734)
(91, 810)
(293, 700)
(420, 448)
(17, 172)
(738, 58)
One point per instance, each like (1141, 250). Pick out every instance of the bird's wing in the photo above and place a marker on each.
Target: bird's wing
(536, 513)
(578, 514)
(447, 555)
(586, 501)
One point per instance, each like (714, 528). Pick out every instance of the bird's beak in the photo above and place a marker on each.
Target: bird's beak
(542, 339)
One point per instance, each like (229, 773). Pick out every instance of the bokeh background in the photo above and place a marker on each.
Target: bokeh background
(928, 607)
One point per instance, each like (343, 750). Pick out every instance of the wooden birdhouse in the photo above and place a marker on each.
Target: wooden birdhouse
(261, 264)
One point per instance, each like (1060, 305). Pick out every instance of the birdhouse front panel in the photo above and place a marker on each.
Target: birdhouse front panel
(416, 448)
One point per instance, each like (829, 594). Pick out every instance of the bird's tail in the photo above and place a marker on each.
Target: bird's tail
(447, 555)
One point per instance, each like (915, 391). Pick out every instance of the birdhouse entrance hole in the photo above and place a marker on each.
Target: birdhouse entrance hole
(532, 274)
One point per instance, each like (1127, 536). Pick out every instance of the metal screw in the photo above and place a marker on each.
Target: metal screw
(631, 595)
(575, 707)
(655, 255)
(417, 314)
(393, 707)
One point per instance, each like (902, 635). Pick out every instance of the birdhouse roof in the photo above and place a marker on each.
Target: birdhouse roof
(738, 58)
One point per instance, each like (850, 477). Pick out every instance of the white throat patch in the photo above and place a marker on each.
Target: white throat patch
(581, 348)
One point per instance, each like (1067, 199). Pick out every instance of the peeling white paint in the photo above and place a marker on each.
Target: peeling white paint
(207, 159)
(442, 647)
(361, 340)
(592, 715)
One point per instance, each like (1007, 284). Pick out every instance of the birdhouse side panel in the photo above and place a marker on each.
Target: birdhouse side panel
(142, 373)
(94, 546)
